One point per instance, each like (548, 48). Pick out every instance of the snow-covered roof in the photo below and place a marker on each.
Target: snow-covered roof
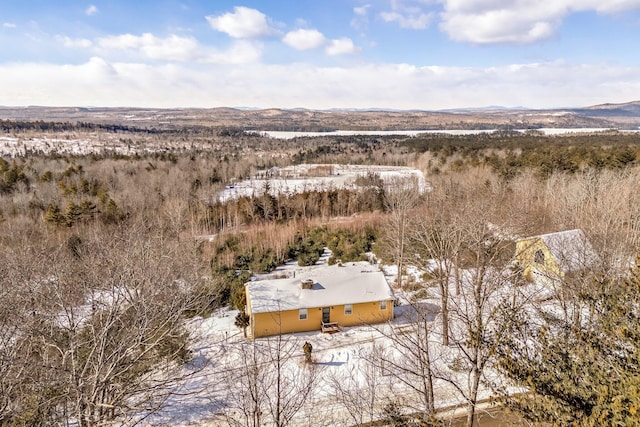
(352, 283)
(571, 249)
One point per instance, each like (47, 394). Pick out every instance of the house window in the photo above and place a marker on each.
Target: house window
(302, 314)
(348, 309)
(383, 305)
(538, 257)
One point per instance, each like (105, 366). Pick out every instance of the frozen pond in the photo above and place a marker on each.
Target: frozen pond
(294, 134)
(545, 131)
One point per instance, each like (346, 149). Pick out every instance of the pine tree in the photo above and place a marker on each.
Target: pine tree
(111, 212)
(72, 213)
(242, 321)
(579, 373)
(53, 214)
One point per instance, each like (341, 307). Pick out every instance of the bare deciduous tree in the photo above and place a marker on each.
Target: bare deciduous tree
(484, 282)
(363, 389)
(401, 197)
(410, 361)
(100, 332)
(271, 385)
(436, 243)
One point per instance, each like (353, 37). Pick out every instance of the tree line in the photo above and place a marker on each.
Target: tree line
(93, 299)
(509, 155)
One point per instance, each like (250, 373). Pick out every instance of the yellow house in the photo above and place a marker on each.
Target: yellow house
(322, 298)
(554, 255)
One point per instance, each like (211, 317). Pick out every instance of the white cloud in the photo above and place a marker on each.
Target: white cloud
(125, 41)
(360, 20)
(172, 48)
(525, 21)
(409, 14)
(243, 23)
(74, 43)
(9, 25)
(241, 52)
(362, 10)
(516, 21)
(99, 68)
(413, 21)
(402, 86)
(609, 6)
(179, 49)
(304, 39)
(91, 10)
(342, 46)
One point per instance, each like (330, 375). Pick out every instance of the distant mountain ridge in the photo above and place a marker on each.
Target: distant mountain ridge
(623, 116)
(628, 109)
(627, 105)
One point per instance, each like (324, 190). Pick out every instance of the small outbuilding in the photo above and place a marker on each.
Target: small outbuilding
(322, 298)
(555, 255)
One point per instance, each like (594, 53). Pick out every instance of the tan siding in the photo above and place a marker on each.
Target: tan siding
(525, 257)
(265, 324)
(368, 312)
(285, 322)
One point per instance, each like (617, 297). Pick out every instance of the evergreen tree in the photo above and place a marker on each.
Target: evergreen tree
(72, 213)
(579, 372)
(53, 214)
(242, 321)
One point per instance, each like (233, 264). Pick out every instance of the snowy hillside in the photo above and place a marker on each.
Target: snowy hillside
(315, 177)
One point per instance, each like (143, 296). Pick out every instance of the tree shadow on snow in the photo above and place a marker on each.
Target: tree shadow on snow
(411, 312)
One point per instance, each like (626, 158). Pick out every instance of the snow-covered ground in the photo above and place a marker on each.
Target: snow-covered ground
(111, 143)
(297, 134)
(92, 144)
(546, 131)
(201, 400)
(300, 178)
(219, 349)
(16, 147)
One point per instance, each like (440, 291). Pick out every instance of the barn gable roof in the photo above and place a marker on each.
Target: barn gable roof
(571, 249)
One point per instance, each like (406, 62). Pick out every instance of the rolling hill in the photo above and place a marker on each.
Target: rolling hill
(616, 116)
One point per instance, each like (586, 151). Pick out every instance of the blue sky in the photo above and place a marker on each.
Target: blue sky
(397, 54)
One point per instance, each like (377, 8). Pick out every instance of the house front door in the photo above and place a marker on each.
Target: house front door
(326, 315)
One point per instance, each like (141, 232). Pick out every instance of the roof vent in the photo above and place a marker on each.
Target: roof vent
(307, 284)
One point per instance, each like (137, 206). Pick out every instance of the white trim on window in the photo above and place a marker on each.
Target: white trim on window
(383, 305)
(348, 309)
(302, 314)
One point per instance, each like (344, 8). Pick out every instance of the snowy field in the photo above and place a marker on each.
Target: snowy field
(96, 144)
(297, 134)
(208, 397)
(545, 131)
(105, 143)
(304, 177)
(17, 147)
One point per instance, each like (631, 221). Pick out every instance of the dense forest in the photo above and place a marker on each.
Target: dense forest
(105, 255)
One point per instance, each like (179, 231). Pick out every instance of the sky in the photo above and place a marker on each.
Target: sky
(319, 54)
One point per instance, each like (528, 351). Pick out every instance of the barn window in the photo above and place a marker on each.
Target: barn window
(348, 309)
(302, 314)
(383, 305)
(539, 257)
